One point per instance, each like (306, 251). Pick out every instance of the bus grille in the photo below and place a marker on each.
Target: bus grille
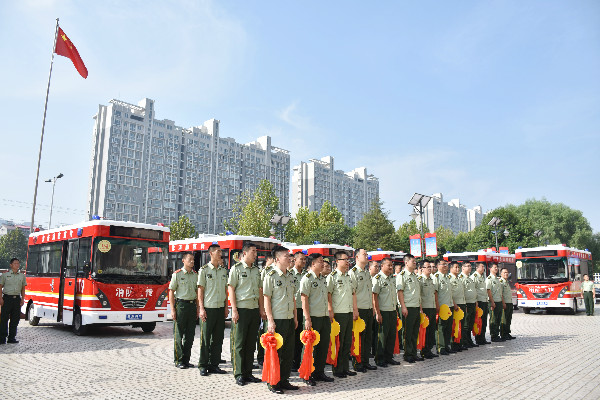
(134, 303)
(542, 295)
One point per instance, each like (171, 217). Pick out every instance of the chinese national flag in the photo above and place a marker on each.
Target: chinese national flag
(66, 48)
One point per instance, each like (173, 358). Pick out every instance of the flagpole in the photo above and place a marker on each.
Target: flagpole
(37, 176)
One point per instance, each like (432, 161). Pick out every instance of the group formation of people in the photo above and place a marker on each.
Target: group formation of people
(292, 293)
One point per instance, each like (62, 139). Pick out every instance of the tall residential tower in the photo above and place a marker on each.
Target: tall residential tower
(148, 170)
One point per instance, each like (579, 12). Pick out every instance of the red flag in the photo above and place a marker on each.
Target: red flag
(66, 48)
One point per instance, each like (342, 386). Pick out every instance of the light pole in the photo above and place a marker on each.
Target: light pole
(53, 181)
(495, 221)
(419, 202)
(279, 220)
(537, 234)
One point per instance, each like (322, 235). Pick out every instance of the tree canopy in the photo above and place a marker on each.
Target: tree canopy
(252, 212)
(182, 229)
(13, 244)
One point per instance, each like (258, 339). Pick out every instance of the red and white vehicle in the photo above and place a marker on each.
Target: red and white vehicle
(487, 257)
(98, 272)
(231, 250)
(549, 277)
(396, 256)
(326, 250)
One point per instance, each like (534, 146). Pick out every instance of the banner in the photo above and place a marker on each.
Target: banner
(415, 245)
(503, 250)
(431, 245)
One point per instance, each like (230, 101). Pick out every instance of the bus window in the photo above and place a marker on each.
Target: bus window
(32, 260)
(49, 259)
(115, 256)
(72, 254)
(84, 254)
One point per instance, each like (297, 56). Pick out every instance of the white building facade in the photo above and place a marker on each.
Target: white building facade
(317, 181)
(148, 170)
(452, 215)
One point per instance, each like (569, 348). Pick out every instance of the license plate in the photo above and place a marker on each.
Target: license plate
(542, 303)
(133, 317)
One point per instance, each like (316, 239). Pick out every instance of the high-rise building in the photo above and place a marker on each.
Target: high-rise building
(318, 181)
(150, 170)
(452, 215)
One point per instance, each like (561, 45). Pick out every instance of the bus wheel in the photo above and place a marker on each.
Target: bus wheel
(33, 320)
(148, 327)
(574, 309)
(526, 310)
(78, 328)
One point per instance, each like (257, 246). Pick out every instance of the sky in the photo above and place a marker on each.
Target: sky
(491, 102)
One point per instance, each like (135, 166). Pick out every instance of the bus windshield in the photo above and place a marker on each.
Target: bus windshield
(549, 270)
(114, 257)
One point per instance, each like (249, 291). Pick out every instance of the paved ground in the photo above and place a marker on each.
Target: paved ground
(554, 356)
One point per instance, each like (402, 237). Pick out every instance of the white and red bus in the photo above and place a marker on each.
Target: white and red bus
(487, 257)
(98, 272)
(549, 277)
(231, 249)
(326, 250)
(396, 256)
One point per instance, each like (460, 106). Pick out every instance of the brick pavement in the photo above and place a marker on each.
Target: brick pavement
(554, 356)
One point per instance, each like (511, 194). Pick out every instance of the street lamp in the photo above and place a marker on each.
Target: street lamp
(279, 220)
(495, 221)
(537, 234)
(419, 202)
(53, 181)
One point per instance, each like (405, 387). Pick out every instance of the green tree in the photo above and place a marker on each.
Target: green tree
(182, 229)
(445, 240)
(404, 232)
(13, 244)
(331, 233)
(301, 226)
(520, 231)
(252, 213)
(329, 214)
(375, 230)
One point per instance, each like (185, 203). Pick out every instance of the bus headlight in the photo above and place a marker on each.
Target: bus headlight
(562, 292)
(103, 299)
(161, 299)
(521, 293)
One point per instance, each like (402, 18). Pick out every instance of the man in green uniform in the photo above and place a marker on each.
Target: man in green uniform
(508, 306)
(268, 264)
(341, 303)
(313, 289)
(428, 301)
(361, 280)
(297, 272)
(482, 301)
(385, 299)
(458, 297)
(589, 294)
(246, 298)
(12, 298)
(441, 283)
(471, 299)
(280, 307)
(494, 289)
(373, 270)
(212, 311)
(409, 299)
(183, 297)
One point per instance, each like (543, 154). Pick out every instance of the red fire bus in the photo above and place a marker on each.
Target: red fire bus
(231, 249)
(98, 272)
(326, 250)
(487, 257)
(549, 277)
(396, 256)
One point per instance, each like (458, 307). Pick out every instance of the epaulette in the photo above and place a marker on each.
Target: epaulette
(334, 272)
(271, 272)
(204, 266)
(268, 267)
(354, 269)
(377, 276)
(179, 270)
(402, 273)
(419, 277)
(307, 275)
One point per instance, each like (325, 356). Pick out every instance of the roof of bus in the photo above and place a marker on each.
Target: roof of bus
(392, 253)
(204, 238)
(294, 246)
(476, 253)
(552, 247)
(103, 222)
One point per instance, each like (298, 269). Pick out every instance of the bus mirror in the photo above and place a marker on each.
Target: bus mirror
(572, 275)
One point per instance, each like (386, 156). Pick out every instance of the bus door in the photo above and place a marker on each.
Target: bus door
(68, 267)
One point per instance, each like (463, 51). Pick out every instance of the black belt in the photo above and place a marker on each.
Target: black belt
(186, 301)
(12, 296)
